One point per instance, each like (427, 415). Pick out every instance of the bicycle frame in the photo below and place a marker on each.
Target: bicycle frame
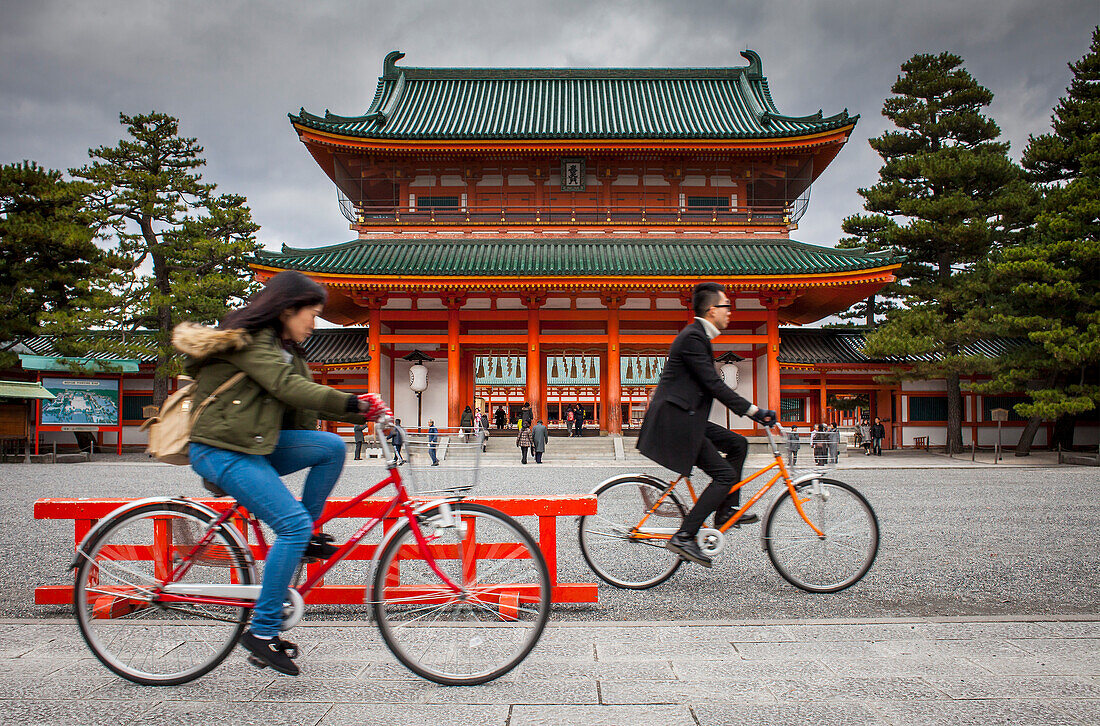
(782, 473)
(409, 510)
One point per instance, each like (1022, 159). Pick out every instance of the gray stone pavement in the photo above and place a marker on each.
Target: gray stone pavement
(696, 673)
(991, 570)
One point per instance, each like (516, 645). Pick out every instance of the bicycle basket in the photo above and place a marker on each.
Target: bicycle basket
(446, 462)
(667, 508)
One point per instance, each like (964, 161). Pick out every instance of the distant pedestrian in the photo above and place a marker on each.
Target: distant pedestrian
(501, 417)
(358, 431)
(526, 416)
(578, 421)
(864, 432)
(433, 441)
(397, 441)
(481, 428)
(878, 433)
(819, 440)
(539, 436)
(792, 446)
(834, 444)
(466, 424)
(569, 421)
(524, 441)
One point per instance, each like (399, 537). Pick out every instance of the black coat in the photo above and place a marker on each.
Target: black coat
(676, 420)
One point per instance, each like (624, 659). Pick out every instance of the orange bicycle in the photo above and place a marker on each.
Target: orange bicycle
(820, 534)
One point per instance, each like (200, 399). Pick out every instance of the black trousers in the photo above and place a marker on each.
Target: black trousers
(724, 471)
(358, 448)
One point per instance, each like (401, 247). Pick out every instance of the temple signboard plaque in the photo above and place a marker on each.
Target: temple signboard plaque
(572, 175)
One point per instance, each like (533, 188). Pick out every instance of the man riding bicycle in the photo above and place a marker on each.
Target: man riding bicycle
(676, 432)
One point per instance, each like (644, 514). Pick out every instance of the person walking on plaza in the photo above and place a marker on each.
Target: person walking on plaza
(397, 441)
(526, 416)
(578, 421)
(433, 441)
(358, 432)
(834, 444)
(819, 440)
(878, 433)
(539, 436)
(792, 446)
(524, 441)
(501, 418)
(264, 427)
(864, 431)
(466, 424)
(676, 433)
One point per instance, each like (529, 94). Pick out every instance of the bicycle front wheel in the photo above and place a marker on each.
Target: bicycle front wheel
(115, 598)
(634, 561)
(822, 564)
(480, 632)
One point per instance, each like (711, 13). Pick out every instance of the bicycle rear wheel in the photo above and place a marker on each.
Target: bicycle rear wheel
(471, 636)
(115, 595)
(619, 558)
(822, 564)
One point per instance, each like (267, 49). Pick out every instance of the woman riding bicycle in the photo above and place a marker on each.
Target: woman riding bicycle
(263, 427)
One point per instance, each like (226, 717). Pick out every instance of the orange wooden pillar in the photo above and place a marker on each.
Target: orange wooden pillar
(374, 338)
(824, 401)
(454, 367)
(773, 357)
(534, 359)
(613, 395)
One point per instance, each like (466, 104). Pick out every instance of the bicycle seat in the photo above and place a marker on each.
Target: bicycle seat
(214, 489)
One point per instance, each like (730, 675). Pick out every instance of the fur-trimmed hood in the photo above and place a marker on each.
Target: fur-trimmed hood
(200, 341)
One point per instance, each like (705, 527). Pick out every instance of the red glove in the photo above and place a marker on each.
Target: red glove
(373, 407)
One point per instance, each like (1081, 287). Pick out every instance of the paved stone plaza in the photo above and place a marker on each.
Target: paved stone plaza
(983, 607)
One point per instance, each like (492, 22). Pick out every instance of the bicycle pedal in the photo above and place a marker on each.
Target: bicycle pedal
(253, 660)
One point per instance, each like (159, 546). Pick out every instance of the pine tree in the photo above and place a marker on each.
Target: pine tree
(1050, 286)
(48, 256)
(955, 196)
(870, 233)
(186, 248)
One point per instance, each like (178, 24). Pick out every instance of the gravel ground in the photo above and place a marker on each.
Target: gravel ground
(954, 542)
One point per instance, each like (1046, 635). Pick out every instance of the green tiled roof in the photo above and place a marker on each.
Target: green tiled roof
(572, 257)
(811, 346)
(572, 103)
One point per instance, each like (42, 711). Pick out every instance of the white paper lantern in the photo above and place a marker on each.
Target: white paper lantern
(418, 377)
(729, 375)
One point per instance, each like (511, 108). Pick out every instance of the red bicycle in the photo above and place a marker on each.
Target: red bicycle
(460, 591)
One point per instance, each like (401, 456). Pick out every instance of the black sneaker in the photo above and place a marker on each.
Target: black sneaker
(685, 545)
(320, 547)
(723, 515)
(272, 652)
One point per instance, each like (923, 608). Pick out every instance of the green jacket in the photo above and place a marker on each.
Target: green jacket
(249, 416)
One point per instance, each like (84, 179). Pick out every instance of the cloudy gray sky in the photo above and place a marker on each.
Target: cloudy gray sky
(231, 70)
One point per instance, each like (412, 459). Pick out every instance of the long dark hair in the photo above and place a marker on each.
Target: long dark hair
(289, 289)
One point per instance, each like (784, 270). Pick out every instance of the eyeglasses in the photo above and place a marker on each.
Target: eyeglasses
(726, 305)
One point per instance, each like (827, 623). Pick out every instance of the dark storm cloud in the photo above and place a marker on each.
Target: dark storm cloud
(232, 70)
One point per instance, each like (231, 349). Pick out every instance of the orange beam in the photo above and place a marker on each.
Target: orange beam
(420, 338)
(418, 146)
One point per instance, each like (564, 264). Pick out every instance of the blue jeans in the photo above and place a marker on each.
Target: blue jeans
(253, 480)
